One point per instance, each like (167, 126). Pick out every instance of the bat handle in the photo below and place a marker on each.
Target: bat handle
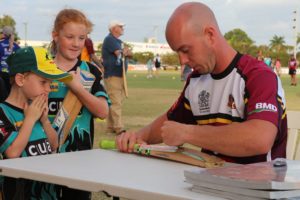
(111, 144)
(107, 144)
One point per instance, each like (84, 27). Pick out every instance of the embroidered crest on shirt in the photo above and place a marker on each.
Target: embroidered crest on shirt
(203, 101)
(231, 103)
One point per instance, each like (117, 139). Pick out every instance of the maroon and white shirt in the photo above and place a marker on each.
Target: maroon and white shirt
(246, 90)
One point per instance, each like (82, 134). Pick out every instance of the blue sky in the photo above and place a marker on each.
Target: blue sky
(260, 19)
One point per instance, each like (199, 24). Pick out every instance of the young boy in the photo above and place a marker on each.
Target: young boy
(24, 126)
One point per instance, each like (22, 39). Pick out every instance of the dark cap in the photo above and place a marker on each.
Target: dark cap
(35, 60)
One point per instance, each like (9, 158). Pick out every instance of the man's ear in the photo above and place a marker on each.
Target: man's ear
(210, 34)
(19, 79)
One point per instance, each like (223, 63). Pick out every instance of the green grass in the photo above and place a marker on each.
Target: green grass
(292, 93)
(148, 98)
(166, 80)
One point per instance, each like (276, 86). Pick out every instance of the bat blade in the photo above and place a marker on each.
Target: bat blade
(182, 154)
(124, 78)
(70, 108)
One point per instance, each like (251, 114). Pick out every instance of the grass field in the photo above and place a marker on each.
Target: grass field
(149, 98)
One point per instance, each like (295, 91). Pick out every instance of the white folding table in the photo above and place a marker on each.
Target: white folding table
(119, 174)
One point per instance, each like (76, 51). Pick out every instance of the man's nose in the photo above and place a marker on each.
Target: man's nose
(183, 59)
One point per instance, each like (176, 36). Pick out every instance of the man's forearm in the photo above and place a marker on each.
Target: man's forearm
(152, 132)
(253, 137)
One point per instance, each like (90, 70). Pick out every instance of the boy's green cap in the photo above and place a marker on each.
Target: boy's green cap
(35, 60)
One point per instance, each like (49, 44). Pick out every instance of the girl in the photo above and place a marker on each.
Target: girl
(69, 33)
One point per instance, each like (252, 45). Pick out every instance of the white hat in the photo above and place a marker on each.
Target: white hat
(114, 23)
(7, 30)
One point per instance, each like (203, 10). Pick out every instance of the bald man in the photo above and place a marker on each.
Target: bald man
(232, 105)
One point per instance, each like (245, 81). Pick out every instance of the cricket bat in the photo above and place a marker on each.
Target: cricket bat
(70, 108)
(174, 153)
(124, 77)
(124, 72)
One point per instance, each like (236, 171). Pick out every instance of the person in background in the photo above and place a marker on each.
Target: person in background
(69, 32)
(7, 46)
(150, 68)
(88, 54)
(25, 129)
(293, 70)
(268, 61)
(185, 72)
(278, 67)
(112, 54)
(157, 64)
(260, 56)
(223, 108)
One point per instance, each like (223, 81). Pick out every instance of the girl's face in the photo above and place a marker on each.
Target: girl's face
(70, 40)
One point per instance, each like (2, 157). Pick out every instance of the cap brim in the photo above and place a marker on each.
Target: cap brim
(62, 76)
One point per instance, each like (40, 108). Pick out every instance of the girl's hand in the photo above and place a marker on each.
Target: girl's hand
(76, 82)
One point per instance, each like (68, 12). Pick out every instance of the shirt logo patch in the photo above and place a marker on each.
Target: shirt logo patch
(54, 87)
(203, 101)
(262, 106)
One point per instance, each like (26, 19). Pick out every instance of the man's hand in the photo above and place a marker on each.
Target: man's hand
(174, 133)
(126, 141)
(127, 52)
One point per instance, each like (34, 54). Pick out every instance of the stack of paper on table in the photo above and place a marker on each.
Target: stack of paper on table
(279, 179)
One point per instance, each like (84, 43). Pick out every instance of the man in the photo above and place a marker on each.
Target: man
(224, 108)
(112, 54)
(157, 64)
(7, 46)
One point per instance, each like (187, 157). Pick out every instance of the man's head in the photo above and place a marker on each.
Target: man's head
(116, 28)
(35, 60)
(7, 31)
(192, 31)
